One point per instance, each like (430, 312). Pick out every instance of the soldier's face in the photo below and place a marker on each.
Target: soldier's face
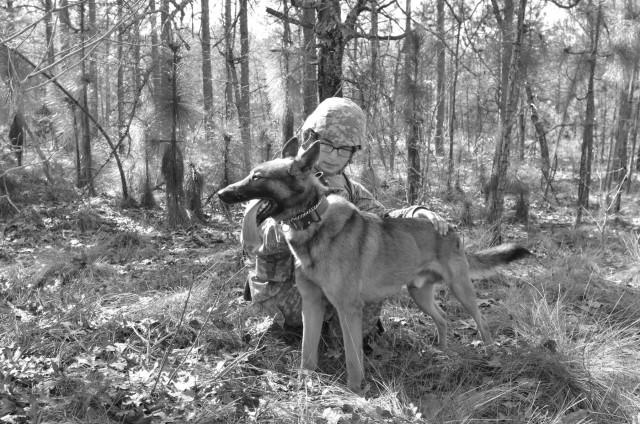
(332, 159)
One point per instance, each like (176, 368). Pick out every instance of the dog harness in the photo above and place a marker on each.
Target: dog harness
(308, 217)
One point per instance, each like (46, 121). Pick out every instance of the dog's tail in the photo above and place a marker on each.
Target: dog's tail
(485, 263)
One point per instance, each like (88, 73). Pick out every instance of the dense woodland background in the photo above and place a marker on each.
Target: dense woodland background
(121, 274)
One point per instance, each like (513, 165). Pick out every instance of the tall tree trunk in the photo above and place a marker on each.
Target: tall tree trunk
(229, 63)
(49, 25)
(106, 93)
(243, 103)
(540, 133)
(505, 23)
(310, 83)
(65, 28)
(172, 160)
(522, 126)
(86, 172)
(331, 44)
(440, 78)
(228, 93)
(603, 120)
(375, 81)
(634, 138)
(392, 101)
(586, 156)
(207, 72)
(619, 165)
(120, 81)
(412, 57)
(287, 118)
(501, 156)
(156, 75)
(452, 105)
(93, 62)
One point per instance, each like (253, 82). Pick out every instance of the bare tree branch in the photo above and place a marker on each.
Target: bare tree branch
(380, 37)
(287, 18)
(561, 6)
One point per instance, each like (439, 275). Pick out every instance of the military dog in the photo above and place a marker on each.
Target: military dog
(352, 257)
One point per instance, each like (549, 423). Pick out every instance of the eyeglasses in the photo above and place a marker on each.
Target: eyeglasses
(345, 152)
(327, 147)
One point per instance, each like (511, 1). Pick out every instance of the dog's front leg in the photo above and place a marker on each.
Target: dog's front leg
(313, 306)
(351, 324)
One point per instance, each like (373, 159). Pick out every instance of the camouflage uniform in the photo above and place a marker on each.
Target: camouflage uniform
(271, 284)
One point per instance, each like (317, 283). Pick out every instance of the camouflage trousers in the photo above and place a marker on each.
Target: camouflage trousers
(282, 300)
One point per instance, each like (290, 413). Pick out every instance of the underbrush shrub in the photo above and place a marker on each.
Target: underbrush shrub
(87, 220)
(8, 189)
(126, 246)
(515, 187)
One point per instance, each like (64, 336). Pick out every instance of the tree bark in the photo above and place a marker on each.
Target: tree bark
(540, 132)
(452, 106)
(310, 84)
(229, 63)
(120, 80)
(172, 159)
(48, 10)
(65, 28)
(331, 44)
(86, 171)
(287, 118)
(207, 72)
(505, 24)
(93, 62)
(440, 78)
(156, 75)
(243, 103)
(619, 165)
(634, 138)
(501, 156)
(522, 127)
(412, 57)
(586, 156)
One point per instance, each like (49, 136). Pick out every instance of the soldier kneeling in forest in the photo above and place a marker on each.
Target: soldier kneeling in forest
(339, 125)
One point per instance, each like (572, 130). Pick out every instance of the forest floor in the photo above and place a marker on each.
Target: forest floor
(107, 316)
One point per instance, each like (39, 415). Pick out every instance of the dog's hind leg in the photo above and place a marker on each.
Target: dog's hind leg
(422, 292)
(465, 293)
(313, 306)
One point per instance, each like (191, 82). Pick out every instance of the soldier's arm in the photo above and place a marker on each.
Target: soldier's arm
(364, 200)
(421, 212)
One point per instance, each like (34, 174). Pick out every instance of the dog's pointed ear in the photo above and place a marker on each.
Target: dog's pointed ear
(309, 157)
(290, 149)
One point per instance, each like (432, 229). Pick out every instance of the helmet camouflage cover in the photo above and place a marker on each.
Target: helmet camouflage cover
(338, 120)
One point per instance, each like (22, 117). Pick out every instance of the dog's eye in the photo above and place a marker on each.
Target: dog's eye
(255, 177)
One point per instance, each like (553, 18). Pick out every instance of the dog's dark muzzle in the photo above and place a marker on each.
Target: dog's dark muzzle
(231, 194)
(237, 193)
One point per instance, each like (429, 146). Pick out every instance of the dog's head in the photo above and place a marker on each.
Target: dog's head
(286, 184)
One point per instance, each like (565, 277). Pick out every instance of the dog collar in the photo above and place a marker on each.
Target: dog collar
(308, 217)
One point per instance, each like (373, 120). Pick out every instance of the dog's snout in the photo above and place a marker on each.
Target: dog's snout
(225, 195)
(232, 194)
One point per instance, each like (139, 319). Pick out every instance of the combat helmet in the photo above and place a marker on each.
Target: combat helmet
(338, 120)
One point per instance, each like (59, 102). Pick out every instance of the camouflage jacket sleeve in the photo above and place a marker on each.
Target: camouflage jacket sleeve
(364, 200)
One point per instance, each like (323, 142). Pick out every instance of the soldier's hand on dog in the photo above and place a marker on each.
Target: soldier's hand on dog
(438, 222)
